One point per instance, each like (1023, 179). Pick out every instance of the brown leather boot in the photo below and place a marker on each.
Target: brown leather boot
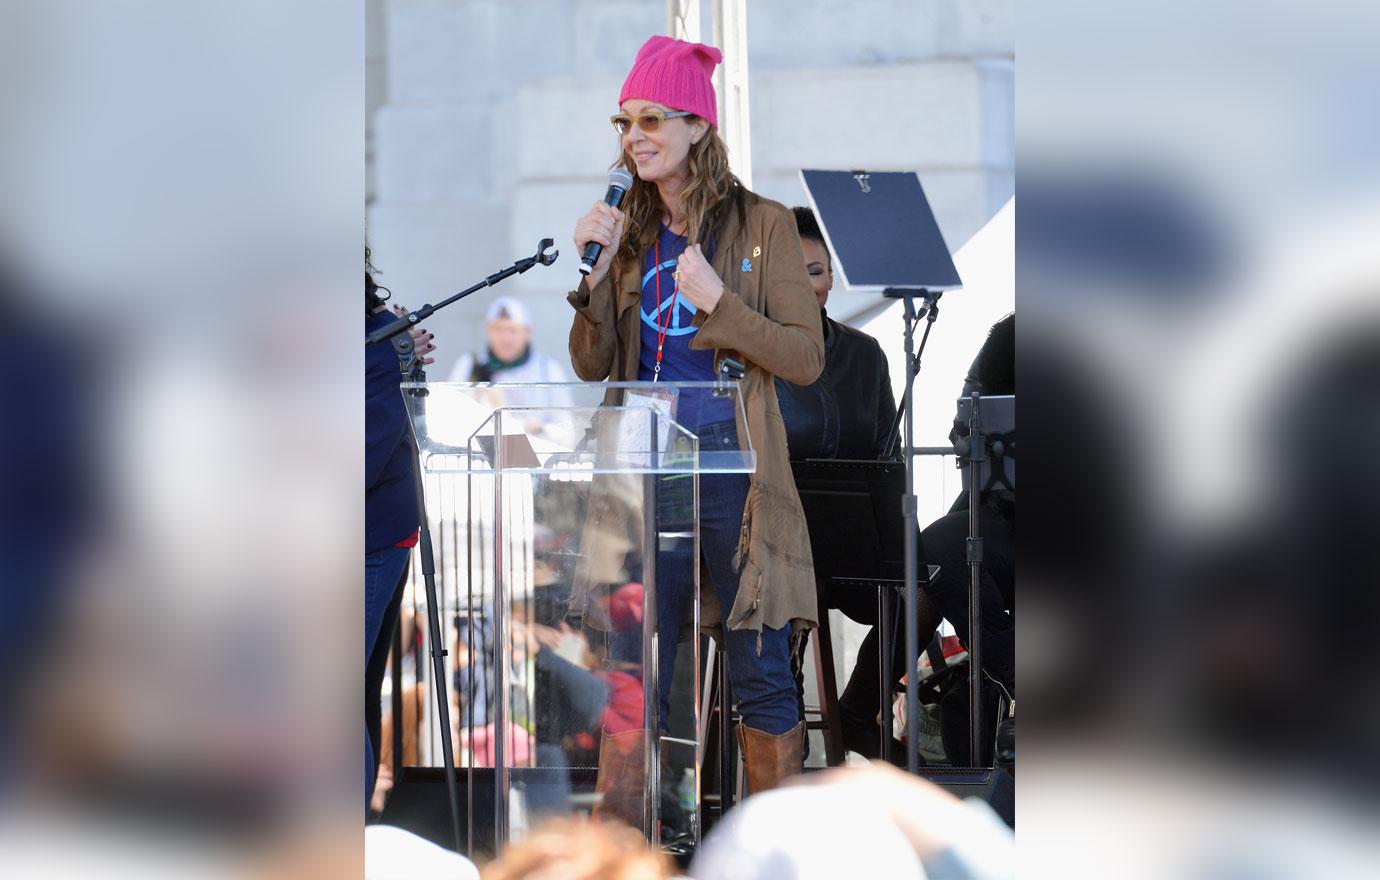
(622, 781)
(770, 759)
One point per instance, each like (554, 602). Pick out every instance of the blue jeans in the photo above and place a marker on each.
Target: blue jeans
(762, 682)
(383, 575)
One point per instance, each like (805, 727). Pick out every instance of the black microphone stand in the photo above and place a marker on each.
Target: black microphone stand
(910, 506)
(414, 318)
(414, 400)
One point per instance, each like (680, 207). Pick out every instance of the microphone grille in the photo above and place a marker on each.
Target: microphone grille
(621, 178)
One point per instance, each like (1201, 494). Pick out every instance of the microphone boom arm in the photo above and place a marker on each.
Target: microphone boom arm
(546, 255)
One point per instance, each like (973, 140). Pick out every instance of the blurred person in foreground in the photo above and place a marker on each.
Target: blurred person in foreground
(1281, 639)
(392, 853)
(573, 849)
(944, 543)
(696, 269)
(48, 482)
(390, 503)
(873, 821)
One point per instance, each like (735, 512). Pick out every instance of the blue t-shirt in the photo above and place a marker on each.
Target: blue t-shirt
(679, 362)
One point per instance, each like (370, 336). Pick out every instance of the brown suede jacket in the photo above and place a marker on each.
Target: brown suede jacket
(768, 319)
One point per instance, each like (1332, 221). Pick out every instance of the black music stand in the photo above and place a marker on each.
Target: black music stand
(882, 236)
(856, 539)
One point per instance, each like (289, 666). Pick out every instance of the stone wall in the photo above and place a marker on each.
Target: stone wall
(488, 125)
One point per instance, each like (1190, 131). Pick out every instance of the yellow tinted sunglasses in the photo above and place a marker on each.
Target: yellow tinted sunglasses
(648, 120)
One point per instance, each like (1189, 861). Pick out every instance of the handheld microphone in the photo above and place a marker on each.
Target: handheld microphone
(620, 181)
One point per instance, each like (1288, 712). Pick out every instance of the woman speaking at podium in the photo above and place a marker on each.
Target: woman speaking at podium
(695, 269)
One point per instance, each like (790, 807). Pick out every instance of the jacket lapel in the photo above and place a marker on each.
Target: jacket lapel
(629, 291)
(628, 298)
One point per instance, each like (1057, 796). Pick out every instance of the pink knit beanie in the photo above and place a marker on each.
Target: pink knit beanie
(677, 74)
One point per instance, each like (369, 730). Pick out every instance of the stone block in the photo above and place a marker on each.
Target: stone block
(810, 34)
(608, 33)
(425, 253)
(998, 111)
(427, 45)
(780, 186)
(549, 209)
(976, 27)
(897, 117)
(432, 153)
(375, 29)
(474, 50)
(375, 88)
(430, 251)
(557, 128)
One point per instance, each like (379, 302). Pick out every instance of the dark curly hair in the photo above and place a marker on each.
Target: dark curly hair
(807, 225)
(994, 370)
(372, 300)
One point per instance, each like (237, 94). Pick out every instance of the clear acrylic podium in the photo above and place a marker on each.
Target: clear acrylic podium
(566, 524)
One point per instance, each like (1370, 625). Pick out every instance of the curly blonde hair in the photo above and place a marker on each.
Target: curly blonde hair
(712, 191)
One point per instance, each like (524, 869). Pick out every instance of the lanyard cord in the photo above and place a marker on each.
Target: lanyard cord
(662, 330)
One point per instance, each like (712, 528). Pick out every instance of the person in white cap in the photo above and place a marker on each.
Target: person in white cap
(510, 357)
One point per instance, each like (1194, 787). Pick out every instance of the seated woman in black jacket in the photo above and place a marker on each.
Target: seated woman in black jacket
(847, 412)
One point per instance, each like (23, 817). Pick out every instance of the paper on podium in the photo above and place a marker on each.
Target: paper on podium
(635, 432)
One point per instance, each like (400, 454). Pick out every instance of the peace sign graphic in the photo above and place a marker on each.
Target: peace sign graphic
(684, 314)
